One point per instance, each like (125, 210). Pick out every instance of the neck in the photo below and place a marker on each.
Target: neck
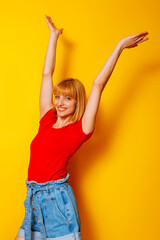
(61, 122)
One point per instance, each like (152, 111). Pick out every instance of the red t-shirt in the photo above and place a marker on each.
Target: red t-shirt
(51, 148)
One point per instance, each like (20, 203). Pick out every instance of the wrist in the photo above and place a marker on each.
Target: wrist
(54, 35)
(120, 46)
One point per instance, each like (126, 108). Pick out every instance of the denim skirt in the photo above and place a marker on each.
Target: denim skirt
(51, 212)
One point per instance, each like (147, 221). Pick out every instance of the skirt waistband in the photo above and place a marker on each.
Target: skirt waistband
(32, 188)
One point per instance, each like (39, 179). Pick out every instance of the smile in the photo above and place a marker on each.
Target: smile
(61, 109)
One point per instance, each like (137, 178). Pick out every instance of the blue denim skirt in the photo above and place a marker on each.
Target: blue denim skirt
(51, 212)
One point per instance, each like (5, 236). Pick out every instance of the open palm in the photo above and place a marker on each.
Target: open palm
(52, 26)
(134, 40)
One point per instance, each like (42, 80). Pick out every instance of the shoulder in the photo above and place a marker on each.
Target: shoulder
(44, 110)
(80, 129)
(87, 126)
(48, 118)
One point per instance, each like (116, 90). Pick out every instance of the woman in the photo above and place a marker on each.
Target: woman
(50, 206)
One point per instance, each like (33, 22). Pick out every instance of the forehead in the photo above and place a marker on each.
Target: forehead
(62, 95)
(65, 91)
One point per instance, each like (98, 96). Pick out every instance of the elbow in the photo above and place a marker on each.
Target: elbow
(101, 82)
(98, 85)
(47, 74)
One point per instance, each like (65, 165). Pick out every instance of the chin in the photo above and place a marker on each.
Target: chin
(60, 114)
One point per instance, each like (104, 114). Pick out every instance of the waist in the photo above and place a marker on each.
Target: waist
(39, 186)
(46, 174)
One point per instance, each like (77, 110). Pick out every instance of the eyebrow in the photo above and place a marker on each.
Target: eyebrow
(63, 95)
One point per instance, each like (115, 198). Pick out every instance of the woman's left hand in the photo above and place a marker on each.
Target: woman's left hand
(133, 41)
(52, 26)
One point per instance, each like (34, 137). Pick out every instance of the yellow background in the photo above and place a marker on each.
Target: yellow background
(115, 175)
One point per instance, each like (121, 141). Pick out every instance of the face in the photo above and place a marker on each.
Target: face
(64, 105)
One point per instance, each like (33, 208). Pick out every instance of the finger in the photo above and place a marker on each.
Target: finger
(143, 40)
(47, 19)
(53, 24)
(139, 39)
(140, 35)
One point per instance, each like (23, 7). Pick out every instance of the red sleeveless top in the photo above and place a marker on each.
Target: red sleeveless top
(51, 148)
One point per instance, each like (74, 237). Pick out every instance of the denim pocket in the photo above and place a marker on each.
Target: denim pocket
(54, 212)
(74, 202)
(55, 215)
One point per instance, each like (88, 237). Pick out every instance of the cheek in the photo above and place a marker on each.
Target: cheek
(73, 105)
(55, 101)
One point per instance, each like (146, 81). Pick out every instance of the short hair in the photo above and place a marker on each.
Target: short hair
(73, 88)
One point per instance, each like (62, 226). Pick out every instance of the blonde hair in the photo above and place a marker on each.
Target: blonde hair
(73, 88)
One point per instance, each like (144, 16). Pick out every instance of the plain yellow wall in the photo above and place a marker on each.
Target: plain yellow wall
(116, 174)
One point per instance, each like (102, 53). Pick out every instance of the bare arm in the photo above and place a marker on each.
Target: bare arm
(50, 58)
(105, 73)
(89, 117)
(46, 91)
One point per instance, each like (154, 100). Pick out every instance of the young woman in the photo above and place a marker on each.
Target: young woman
(51, 211)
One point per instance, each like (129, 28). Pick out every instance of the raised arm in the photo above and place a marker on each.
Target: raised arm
(46, 91)
(89, 117)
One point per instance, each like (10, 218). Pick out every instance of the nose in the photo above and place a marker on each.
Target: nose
(60, 102)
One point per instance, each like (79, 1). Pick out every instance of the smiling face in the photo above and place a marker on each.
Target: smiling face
(70, 99)
(64, 105)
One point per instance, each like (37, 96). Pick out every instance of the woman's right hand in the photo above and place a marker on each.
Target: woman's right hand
(52, 26)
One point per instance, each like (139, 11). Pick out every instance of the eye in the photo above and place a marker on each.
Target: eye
(68, 98)
(56, 96)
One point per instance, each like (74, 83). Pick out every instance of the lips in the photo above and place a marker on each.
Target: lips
(61, 109)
